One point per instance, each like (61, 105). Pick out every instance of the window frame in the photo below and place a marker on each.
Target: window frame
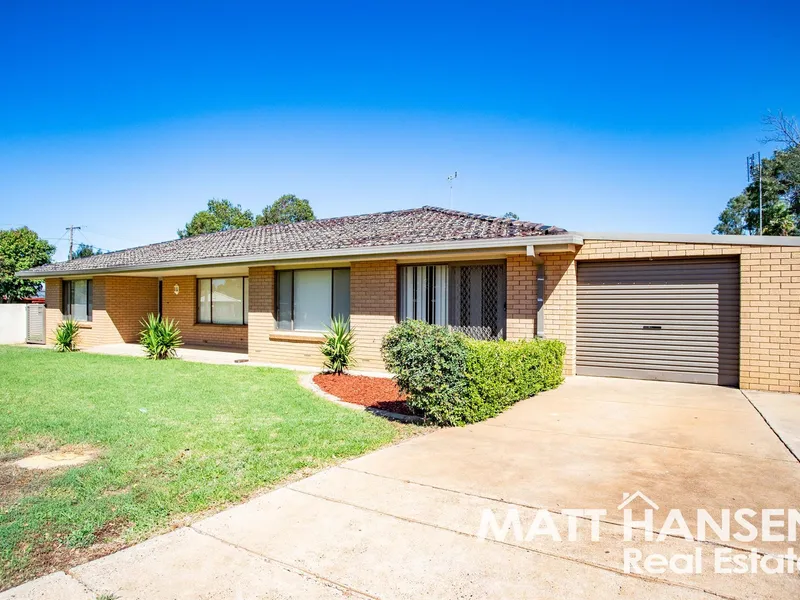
(452, 264)
(68, 293)
(245, 301)
(292, 296)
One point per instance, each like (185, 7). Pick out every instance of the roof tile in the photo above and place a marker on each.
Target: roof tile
(419, 225)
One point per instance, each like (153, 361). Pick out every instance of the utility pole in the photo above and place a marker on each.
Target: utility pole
(751, 166)
(450, 178)
(71, 230)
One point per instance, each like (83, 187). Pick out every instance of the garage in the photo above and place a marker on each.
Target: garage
(666, 320)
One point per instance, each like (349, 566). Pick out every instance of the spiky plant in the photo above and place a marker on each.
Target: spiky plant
(160, 338)
(67, 336)
(338, 346)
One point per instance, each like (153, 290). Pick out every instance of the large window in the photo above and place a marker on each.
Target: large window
(223, 301)
(469, 297)
(77, 299)
(308, 299)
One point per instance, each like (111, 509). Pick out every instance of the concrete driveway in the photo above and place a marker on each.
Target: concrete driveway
(403, 522)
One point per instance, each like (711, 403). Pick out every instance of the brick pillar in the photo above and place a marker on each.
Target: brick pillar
(520, 298)
(560, 300)
(52, 308)
(261, 306)
(373, 308)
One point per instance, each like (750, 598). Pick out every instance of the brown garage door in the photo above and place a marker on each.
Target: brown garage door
(670, 320)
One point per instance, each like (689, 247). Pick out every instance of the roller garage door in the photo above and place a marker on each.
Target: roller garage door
(669, 320)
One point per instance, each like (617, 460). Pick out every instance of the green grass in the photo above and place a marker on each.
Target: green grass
(175, 438)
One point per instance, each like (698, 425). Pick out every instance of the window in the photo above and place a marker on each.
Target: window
(308, 299)
(468, 297)
(77, 299)
(223, 301)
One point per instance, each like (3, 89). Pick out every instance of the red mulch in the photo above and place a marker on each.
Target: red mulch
(375, 392)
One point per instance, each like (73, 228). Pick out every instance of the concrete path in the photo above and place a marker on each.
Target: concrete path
(403, 522)
(213, 355)
(782, 411)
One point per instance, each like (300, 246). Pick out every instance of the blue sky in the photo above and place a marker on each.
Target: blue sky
(636, 117)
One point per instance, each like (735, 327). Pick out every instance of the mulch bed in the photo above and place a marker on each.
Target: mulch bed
(375, 392)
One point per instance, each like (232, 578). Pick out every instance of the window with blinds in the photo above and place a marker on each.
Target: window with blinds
(468, 297)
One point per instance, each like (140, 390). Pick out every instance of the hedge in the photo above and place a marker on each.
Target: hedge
(454, 380)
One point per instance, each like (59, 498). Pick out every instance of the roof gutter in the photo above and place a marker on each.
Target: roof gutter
(696, 238)
(519, 243)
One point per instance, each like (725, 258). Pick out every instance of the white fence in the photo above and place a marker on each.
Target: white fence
(12, 323)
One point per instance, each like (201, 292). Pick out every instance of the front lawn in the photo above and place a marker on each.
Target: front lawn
(174, 438)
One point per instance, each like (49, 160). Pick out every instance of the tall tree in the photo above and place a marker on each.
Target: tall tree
(84, 250)
(21, 249)
(221, 215)
(780, 182)
(286, 209)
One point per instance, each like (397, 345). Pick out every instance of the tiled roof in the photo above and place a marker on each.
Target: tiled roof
(418, 225)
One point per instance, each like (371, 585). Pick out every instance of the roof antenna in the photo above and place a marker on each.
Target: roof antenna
(450, 178)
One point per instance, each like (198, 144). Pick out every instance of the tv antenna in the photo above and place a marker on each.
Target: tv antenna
(452, 178)
(751, 167)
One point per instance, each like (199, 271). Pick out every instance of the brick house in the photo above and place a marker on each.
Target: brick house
(695, 308)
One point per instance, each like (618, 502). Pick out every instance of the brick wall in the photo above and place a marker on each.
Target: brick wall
(373, 299)
(266, 344)
(373, 308)
(118, 305)
(520, 297)
(183, 308)
(559, 310)
(52, 308)
(769, 312)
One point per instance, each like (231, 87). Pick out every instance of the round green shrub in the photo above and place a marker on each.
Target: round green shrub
(428, 362)
(454, 380)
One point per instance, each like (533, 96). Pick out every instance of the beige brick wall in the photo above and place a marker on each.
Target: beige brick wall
(118, 305)
(52, 308)
(183, 308)
(521, 297)
(266, 344)
(769, 312)
(559, 310)
(373, 308)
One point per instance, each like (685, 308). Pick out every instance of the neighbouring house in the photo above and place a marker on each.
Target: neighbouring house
(694, 308)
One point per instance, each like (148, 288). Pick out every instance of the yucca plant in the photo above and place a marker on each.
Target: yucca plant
(67, 336)
(160, 338)
(338, 346)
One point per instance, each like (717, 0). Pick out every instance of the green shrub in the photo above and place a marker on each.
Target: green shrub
(454, 380)
(428, 363)
(67, 336)
(160, 338)
(338, 346)
(500, 373)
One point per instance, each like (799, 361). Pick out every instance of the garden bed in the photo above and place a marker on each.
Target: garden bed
(373, 392)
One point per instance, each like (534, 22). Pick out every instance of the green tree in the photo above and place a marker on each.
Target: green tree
(780, 182)
(221, 215)
(286, 209)
(84, 250)
(511, 215)
(21, 249)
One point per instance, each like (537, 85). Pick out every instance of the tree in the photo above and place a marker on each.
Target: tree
(780, 182)
(286, 209)
(21, 249)
(511, 215)
(221, 215)
(84, 250)
(734, 220)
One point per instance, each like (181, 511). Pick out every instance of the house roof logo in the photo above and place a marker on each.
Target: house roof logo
(628, 498)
